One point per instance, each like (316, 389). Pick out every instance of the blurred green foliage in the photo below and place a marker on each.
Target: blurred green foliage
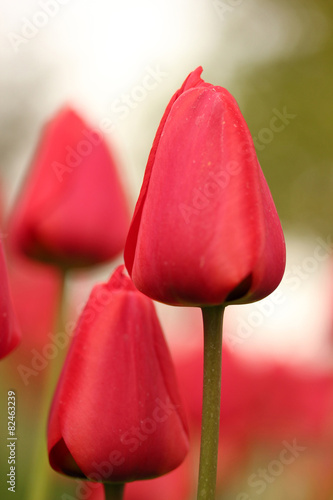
(298, 161)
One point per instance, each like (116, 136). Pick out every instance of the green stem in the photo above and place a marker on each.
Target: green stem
(212, 320)
(114, 491)
(41, 474)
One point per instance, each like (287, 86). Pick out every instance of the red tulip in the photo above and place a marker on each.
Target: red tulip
(205, 229)
(72, 211)
(298, 403)
(116, 414)
(9, 330)
(36, 293)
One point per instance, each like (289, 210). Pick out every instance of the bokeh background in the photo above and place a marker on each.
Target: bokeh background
(275, 57)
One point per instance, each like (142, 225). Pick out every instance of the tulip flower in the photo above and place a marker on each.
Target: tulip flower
(205, 230)
(298, 403)
(116, 414)
(72, 210)
(9, 330)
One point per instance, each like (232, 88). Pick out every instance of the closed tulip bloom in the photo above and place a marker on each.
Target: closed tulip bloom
(116, 414)
(10, 334)
(205, 230)
(72, 209)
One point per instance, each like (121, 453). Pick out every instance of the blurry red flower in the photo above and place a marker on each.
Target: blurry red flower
(72, 210)
(9, 330)
(298, 403)
(36, 291)
(116, 414)
(205, 229)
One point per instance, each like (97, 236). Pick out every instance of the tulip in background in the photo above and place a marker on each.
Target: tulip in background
(205, 231)
(72, 210)
(36, 293)
(116, 414)
(9, 329)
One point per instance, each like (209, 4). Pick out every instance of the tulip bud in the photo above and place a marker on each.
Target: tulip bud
(72, 211)
(205, 230)
(116, 414)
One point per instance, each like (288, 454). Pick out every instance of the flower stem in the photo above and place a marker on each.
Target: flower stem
(114, 491)
(212, 320)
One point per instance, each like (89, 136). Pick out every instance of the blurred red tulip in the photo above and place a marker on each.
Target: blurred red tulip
(242, 385)
(10, 334)
(72, 210)
(205, 229)
(261, 403)
(116, 414)
(297, 403)
(36, 293)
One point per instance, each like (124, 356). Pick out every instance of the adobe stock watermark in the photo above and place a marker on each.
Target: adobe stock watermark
(131, 439)
(310, 264)
(31, 27)
(225, 7)
(121, 108)
(77, 153)
(265, 476)
(59, 341)
(277, 124)
(293, 279)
